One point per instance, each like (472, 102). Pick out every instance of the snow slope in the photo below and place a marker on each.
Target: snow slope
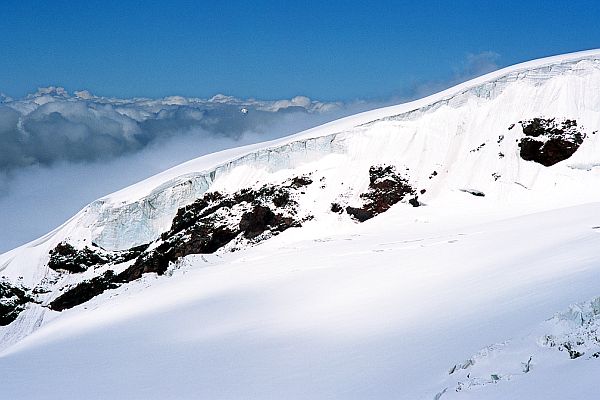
(382, 310)
(338, 309)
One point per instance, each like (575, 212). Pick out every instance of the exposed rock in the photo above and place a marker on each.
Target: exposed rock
(65, 258)
(129, 254)
(336, 208)
(201, 239)
(360, 214)
(300, 181)
(281, 199)
(12, 301)
(474, 192)
(84, 291)
(573, 354)
(210, 223)
(548, 142)
(203, 227)
(386, 188)
(478, 148)
(413, 201)
(256, 221)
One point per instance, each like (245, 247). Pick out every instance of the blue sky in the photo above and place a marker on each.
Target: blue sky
(331, 50)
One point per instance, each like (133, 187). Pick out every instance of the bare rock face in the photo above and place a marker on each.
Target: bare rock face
(256, 221)
(386, 188)
(83, 292)
(205, 226)
(549, 141)
(66, 258)
(13, 300)
(213, 221)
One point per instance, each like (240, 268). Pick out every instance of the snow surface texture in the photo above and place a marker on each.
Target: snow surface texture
(383, 309)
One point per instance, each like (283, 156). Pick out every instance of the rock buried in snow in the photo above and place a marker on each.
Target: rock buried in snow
(474, 192)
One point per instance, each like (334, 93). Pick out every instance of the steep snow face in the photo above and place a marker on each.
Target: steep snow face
(459, 151)
(130, 223)
(463, 135)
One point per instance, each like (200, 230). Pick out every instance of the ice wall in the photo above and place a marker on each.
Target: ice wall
(117, 226)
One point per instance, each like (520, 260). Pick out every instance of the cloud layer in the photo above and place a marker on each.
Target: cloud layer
(60, 151)
(51, 126)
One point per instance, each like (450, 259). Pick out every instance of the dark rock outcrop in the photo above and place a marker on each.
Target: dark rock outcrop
(386, 188)
(474, 192)
(336, 208)
(256, 221)
(13, 300)
(300, 181)
(203, 227)
(84, 291)
(209, 223)
(65, 258)
(548, 141)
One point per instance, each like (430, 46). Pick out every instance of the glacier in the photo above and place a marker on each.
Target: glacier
(133, 222)
(336, 308)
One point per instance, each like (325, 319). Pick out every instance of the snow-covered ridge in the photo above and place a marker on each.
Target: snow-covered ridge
(495, 85)
(162, 195)
(485, 86)
(133, 223)
(562, 85)
(450, 141)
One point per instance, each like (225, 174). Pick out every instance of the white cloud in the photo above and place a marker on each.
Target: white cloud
(51, 126)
